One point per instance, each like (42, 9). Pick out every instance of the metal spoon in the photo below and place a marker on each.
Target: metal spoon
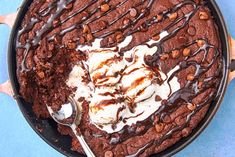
(67, 116)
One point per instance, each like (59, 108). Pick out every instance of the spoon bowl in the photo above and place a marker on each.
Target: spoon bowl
(68, 115)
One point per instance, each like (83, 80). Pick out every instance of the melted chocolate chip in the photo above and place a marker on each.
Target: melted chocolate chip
(175, 99)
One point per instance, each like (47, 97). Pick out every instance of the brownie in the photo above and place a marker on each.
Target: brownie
(51, 42)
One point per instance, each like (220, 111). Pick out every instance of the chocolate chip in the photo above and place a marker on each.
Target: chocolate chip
(173, 16)
(116, 50)
(156, 37)
(81, 99)
(130, 59)
(191, 106)
(126, 21)
(159, 17)
(104, 7)
(164, 102)
(108, 154)
(90, 37)
(119, 37)
(185, 132)
(82, 40)
(158, 98)
(86, 29)
(203, 15)
(186, 52)
(191, 30)
(190, 77)
(71, 44)
(175, 54)
(164, 57)
(159, 127)
(133, 12)
(200, 43)
(166, 119)
(41, 74)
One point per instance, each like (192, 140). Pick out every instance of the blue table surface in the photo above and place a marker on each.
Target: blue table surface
(17, 139)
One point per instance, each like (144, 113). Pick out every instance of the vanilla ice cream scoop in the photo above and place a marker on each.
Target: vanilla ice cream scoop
(122, 90)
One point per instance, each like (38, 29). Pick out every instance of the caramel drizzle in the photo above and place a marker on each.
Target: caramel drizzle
(186, 94)
(108, 62)
(189, 16)
(191, 89)
(60, 7)
(104, 103)
(175, 129)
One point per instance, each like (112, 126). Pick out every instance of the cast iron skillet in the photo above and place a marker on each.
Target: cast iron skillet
(46, 129)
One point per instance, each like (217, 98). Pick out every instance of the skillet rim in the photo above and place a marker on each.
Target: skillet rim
(172, 149)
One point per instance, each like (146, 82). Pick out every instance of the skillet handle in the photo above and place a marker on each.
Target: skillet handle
(232, 54)
(9, 20)
(6, 88)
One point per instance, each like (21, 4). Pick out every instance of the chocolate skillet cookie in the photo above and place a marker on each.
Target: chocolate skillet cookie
(143, 72)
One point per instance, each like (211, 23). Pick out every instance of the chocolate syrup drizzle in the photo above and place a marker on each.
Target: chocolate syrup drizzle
(176, 99)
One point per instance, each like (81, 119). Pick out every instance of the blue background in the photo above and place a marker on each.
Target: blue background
(17, 139)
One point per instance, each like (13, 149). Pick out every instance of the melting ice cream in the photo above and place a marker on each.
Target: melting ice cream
(122, 89)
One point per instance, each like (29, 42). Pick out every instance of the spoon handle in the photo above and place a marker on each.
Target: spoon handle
(83, 143)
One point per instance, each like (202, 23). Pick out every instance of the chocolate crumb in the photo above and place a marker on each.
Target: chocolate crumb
(130, 59)
(81, 99)
(158, 98)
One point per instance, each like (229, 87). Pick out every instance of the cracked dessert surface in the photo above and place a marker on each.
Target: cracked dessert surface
(143, 72)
